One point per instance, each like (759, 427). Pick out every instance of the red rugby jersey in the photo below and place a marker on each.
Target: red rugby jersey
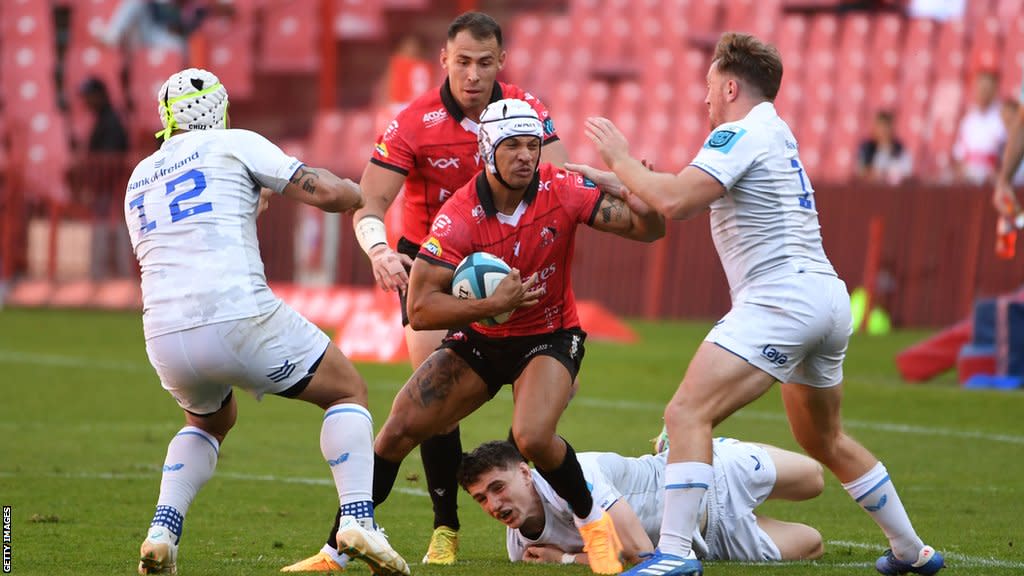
(433, 144)
(539, 238)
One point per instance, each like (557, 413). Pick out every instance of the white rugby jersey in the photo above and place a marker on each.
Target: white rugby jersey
(767, 221)
(191, 214)
(610, 476)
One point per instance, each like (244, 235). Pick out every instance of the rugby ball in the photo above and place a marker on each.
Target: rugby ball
(477, 276)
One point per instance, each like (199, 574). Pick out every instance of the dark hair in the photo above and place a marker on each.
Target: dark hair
(480, 26)
(486, 457)
(750, 60)
(884, 116)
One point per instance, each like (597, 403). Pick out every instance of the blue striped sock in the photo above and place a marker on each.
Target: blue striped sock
(170, 518)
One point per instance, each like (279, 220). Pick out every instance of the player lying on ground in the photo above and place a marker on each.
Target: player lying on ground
(540, 527)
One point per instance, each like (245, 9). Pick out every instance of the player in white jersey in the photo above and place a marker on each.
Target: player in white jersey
(790, 316)
(540, 528)
(211, 323)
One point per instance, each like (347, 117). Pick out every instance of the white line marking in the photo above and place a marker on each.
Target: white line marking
(52, 360)
(960, 559)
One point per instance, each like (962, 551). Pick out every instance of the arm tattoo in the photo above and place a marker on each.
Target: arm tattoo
(612, 209)
(435, 378)
(306, 178)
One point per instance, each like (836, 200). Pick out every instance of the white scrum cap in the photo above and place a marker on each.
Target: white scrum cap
(505, 119)
(192, 99)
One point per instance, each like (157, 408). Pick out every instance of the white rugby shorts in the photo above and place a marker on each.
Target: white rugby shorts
(264, 354)
(795, 327)
(744, 477)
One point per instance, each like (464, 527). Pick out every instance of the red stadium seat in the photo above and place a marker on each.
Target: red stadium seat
(851, 114)
(88, 57)
(946, 101)
(150, 68)
(290, 37)
(1012, 73)
(356, 143)
(915, 87)
(231, 55)
(524, 36)
(986, 45)
(358, 19)
(792, 40)
(814, 130)
(885, 63)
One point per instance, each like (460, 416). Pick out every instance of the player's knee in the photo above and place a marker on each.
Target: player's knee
(534, 445)
(816, 482)
(815, 546)
(680, 416)
(397, 438)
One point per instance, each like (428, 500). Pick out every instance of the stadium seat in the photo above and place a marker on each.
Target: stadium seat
(814, 131)
(886, 65)
(946, 101)
(356, 142)
(325, 143)
(792, 40)
(289, 42)
(913, 124)
(231, 56)
(740, 16)
(986, 45)
(88, 57)
(1012, 73)
(358, 20)
(523, 38)
(149, 69)
(852, 115)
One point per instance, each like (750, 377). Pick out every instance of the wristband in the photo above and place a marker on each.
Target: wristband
(568, 558)
(370, 232)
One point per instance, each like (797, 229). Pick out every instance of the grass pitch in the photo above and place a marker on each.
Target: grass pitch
(84, 425)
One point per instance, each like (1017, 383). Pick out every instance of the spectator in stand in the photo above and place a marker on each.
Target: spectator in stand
(882, 158)
(100, 176)
(163, 24)
(108, 133)
(981, 135)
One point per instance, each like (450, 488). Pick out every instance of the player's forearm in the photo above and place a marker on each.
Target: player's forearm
(1014, 152)
(647, 228)
(660, 190)
(440, 311)
(376, 205)
(342, 195)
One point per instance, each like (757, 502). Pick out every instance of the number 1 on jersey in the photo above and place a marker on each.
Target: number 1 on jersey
(198, 181)
(805, 200)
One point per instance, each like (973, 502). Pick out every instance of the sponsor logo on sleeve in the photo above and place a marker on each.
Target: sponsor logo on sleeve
(549, 127)
(433, 245)
(441, 225)
(390, 132)
(723, 140)
(382, 149)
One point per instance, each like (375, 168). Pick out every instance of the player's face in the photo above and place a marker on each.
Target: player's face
(516, 159)
(715, 100)
(507, 495)
(472, 66)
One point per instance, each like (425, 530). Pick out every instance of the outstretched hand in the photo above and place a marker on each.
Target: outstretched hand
(390, 268)
(610, 142)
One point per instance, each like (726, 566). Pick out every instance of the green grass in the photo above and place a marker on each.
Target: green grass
(84, 425)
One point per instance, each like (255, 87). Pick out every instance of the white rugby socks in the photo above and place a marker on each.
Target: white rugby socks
(685, 486)
(876, 494)
(346, 441)
(191, 459)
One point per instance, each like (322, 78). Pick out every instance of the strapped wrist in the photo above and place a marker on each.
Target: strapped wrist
(370, 232)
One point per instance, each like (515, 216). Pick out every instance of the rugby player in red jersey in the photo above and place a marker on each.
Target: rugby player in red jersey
(431, 149)
(526, 212)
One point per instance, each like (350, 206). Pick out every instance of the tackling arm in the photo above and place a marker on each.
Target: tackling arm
(616, 216)
(319, 187)
(627, 526)
(677, 196)
(432, 307)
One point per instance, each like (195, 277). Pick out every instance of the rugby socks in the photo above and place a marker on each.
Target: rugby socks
(568, 482)
(191, 459)
(686, 483)
(346, 441)
(442, 456)
(876, 494)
